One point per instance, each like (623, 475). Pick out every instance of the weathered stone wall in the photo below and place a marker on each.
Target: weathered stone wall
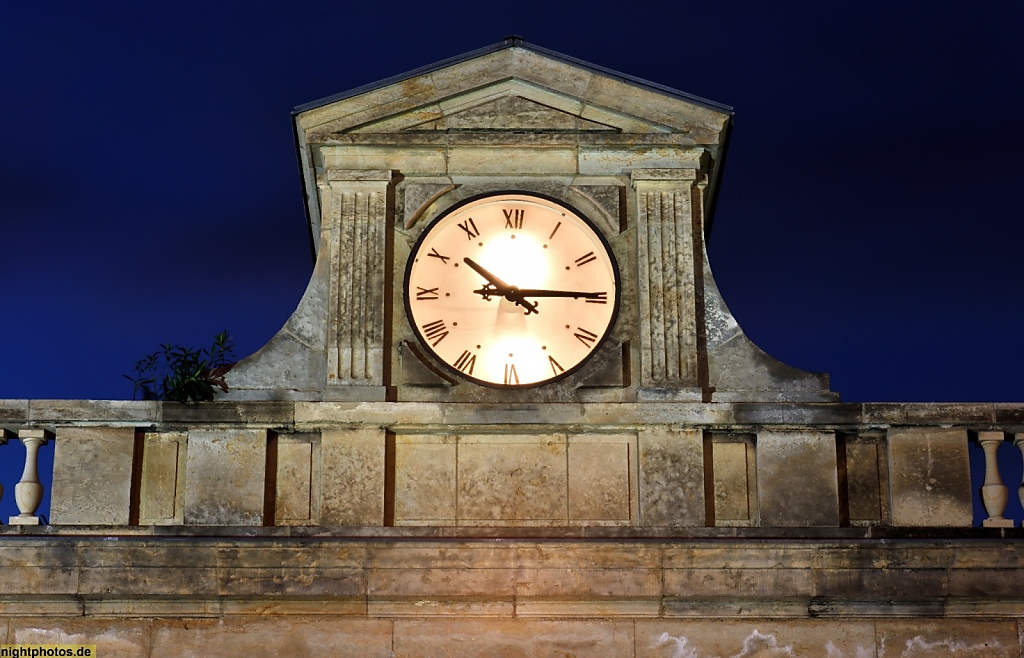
(419, 593)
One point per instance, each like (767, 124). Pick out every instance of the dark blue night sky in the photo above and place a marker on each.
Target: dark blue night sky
(868, 225)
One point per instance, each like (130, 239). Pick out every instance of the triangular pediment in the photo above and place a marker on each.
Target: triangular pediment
(510, 105)
(513, 89)
(513, 113)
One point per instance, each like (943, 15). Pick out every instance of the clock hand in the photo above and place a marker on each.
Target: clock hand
(528, 292)
(511, 293)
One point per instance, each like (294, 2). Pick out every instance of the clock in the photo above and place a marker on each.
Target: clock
(511, 290)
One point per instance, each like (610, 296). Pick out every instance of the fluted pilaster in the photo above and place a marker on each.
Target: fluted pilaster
(354, 204)
(666, 263)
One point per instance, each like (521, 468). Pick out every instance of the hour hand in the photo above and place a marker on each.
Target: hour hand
(495, 287)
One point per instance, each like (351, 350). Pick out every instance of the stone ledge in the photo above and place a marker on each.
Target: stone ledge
(495, 533)
(624, 609)
(454, 417)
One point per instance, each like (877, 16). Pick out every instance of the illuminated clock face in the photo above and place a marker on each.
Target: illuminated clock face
(511, 290)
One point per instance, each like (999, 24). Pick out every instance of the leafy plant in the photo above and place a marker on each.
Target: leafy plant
(183, 374)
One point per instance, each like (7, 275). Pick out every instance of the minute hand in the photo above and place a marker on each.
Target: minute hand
(528, 292)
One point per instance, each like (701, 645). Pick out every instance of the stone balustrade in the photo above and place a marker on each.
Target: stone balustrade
(641, 466)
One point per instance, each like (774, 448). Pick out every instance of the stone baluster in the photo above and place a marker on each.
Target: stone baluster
(1018, 440)
(28, 493)
(3, 441)
(993, 493)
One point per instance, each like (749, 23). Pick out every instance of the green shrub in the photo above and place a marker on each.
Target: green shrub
(183, 374)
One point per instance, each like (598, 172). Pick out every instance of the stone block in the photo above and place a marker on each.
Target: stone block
(298, 480)
(697, 639)
(243, 580)
(116, 638)
(734, 486)
(162, 489)
(429, 582)
(425, 480)
(797, 479)
(225, 475)
(271, 636)
(443, 608)
(514, 479)
(863, 482)
(577, 583)
(671, 490)
(92, 476)
(470, 160)
(352, 477)
(929, 477)
(598, 609)
(755, 583)
(38, 580)
(961, 638)
(470, 638)
(599, 477)
(410, 161)
(175, 580)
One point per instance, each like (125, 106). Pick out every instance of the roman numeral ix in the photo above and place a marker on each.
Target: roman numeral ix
(425, 293)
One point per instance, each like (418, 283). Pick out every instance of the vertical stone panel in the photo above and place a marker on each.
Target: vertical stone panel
(425, 480)
(513, 480)
(298, 469)
(731, 461)
(863, 482)
(671, 477)
(668, 330)
(929, 477)
(599, 478)
(358, 215)
(797, 479)
(92, 475)
(352, 477)
(162, 490)
(225, 474)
